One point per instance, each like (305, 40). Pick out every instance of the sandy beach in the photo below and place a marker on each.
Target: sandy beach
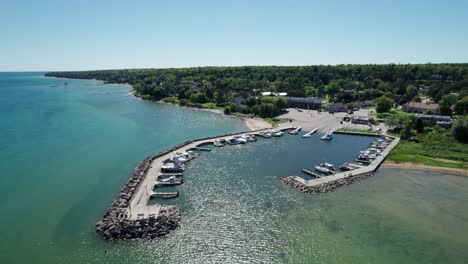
(413, 166)
(256, 123)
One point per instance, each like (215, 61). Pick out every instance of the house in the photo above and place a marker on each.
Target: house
(363, 120)
(304, 103)
(416, 107)
(445, 121)
(273, 94)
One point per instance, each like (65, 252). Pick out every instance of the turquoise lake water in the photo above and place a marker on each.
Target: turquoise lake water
(65, 153)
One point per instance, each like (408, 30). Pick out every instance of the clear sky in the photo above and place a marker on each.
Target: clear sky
(109, 34)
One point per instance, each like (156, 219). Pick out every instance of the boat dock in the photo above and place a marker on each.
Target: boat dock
(295, 131)
(311, 173)
(360, 170)
(138, 204)
(202, 149)
(310, 133)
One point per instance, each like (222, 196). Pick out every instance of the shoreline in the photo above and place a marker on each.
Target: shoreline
(420, 167)
(252, 123)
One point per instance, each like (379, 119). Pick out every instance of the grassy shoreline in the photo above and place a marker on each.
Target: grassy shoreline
(421, 167)
(436, 150)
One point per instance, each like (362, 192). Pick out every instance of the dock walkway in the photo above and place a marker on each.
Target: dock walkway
(372, 167)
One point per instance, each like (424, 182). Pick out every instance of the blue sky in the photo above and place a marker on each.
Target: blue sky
(81, 34)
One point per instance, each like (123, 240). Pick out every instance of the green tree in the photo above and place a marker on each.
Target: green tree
(384, 104)
(255, 109)
(461, 107)
(460, 129)
(234, 107)
(250, 101)
(444, 108)
(419, 125)
(227, 110)
(280, 103)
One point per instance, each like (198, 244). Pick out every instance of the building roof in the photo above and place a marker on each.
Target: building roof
(273, 93)
(305, 100)
(425, 106)
(366, 118)
(438, 117)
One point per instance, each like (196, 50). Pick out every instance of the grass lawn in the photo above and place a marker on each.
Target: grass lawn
(211, 105)
(367, 131)
(432, 149)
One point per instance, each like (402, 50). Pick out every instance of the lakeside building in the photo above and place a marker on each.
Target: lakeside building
(417, 107)
(445, 121)
(338, 107)
(273, 94)
(304, 103)
(362, 120)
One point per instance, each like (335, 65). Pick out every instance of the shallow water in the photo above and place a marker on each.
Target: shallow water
(65, 153)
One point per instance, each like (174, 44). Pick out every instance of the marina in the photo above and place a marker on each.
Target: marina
(159, 168)
(167, 169)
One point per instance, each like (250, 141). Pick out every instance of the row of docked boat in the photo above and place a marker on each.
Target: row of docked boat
(374, 150)
(243, 139)
(271, 133)
(172, 173)
(176, 162)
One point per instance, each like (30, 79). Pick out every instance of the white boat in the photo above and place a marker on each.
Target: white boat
(220, 143)
(265, 134)
(172, 167)
(240, 140)
(323, 170)
(276, 133)
(328, 136)
(178, 159)
(249, 138)
(173, 180)
(328, 166)
(231, 141)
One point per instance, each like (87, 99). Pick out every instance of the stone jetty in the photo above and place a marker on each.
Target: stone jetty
(331, 183)
(291, 181)
(130, 216)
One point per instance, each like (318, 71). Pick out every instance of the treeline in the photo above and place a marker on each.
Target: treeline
(223, 86)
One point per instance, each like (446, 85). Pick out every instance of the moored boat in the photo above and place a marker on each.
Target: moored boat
(231, 141)
(327, 136)
(328, 166)
(276, 133)
(172, 167)
(240, 140)
(265, 134)
(220, 143)
(173, 180)
(323, 170)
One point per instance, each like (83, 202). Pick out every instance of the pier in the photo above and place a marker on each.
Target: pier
(310, 133)
(144, 191)
(295, 131)
(329, 183)
(311, 173)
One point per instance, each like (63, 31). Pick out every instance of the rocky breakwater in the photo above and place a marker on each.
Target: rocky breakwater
(324, 187)
(116, 225)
